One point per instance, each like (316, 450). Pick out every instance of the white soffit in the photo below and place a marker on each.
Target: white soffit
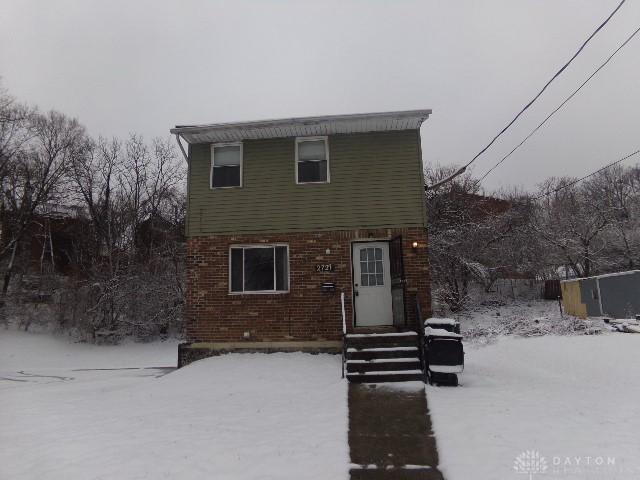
(302, 127)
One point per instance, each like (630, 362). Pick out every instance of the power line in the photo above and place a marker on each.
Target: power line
(570, 184)
(526, 107)
(560, 106)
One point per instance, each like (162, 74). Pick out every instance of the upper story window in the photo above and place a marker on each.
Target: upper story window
(312, 160)
(226, 165)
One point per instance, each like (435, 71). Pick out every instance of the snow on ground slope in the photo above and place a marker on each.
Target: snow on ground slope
(572, 399)
(21, 350)
(275, 416)
(490, 320)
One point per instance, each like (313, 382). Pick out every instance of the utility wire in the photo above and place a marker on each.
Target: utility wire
(570, 184)
(560, 106)
(526, 107)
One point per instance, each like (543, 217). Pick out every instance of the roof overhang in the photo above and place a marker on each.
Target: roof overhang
(300, 127)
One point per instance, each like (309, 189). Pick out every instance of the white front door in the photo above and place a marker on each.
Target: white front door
(372, 284)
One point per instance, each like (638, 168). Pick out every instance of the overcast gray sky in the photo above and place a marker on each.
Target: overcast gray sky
(144, 66)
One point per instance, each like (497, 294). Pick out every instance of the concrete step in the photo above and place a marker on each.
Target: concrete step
(383, 352)
(377, 340)
(382, 376)
(412, 472)
(385, 364)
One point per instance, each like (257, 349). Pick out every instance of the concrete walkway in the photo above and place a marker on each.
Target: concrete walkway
(390, 435)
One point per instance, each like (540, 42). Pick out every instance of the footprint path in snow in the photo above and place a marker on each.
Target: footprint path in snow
(22, 376)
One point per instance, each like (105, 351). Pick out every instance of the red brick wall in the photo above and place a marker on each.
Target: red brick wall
(305, 313)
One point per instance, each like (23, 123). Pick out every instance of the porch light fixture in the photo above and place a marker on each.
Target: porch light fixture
(414, 244)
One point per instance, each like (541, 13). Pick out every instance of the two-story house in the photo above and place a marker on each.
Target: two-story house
(285, 216)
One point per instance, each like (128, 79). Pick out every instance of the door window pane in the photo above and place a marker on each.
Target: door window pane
(379, 270)
(371, 267)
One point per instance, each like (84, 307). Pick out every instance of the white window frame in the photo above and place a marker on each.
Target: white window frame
(326, 152)
(226, 144)
(261, 292)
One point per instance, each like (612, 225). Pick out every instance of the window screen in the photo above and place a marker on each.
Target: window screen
(226, 162)
(312, 161)
(260, 269)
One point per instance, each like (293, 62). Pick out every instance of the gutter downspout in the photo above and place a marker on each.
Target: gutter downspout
(186, 157)
(184, 154)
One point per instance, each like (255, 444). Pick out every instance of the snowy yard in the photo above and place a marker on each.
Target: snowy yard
(573, 399)
(276, 416)
(77, 411)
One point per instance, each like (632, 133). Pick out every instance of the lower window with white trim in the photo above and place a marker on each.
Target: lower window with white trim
(259, 269)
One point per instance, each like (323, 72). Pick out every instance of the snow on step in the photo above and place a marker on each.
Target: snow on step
(373, 466)
(383, 349)
(440, 321)
(381, 335)
(385, 360)
(446, 368)
(440, 332)
(385, 372)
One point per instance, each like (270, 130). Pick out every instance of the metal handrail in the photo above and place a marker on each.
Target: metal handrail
(344, 333)
(420, 332)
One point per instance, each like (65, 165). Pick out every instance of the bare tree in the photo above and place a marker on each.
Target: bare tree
(478, 238)
(36, 176)
(615, 193)
(14, 129)
(94, 177)
(131, 193)
(571, 227)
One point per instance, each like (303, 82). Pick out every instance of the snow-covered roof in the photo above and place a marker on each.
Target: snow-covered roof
(616, 274)
(304, 126)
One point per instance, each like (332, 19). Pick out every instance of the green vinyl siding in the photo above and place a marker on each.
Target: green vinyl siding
(376, 181)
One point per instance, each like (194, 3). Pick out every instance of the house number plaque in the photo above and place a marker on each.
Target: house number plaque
(324, 267)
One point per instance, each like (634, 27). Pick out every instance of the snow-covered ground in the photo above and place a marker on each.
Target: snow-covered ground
(572, 399)
(278, 416)
(78, 411)
(493, 319)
